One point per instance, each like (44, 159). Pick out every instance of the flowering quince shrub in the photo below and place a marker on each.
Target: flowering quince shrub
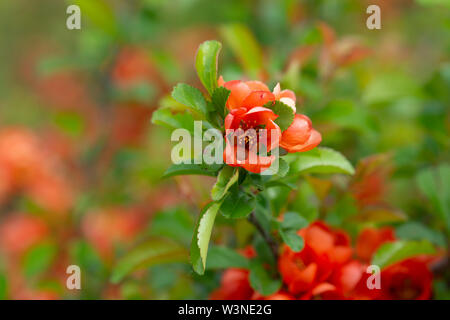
(235, 108)
(293, 257)
(328, 267)
(257, 200)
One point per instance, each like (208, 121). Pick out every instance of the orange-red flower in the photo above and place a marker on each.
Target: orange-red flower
(133, 65)
(370, 239)
(249, 94)
(350, 280)
(409, 279)
(243, 144)
(323, 291)
(324, 249)
(105, 228)
(246, 105)
(300, 136)
(234, 286)
(19, 232)
(280, 295)
(370, 182)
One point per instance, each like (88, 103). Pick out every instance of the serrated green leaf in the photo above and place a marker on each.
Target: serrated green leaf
(237, 204)
(284, 112)
(202, 235)
(222, 257)
(152, 252)
(206, 64)
(226, 178)
(392, 252)
(321, 160)
(190, 97)
(261, 280)
(190, 169)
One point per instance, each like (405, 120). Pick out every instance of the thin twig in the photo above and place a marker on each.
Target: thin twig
(266, 236)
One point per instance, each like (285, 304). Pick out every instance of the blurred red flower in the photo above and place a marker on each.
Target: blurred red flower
(28, 166)
(409, 279)
(370, 182)
(324, 250)
(370, 239)
(19, 232)
(133, 65)
(105, 228)
(234, 286)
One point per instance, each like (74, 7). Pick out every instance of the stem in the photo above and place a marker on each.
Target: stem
(266, 236)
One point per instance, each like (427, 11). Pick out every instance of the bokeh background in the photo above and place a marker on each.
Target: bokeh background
(81, 162)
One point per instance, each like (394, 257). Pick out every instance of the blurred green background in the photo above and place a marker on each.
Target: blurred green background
(80, 160)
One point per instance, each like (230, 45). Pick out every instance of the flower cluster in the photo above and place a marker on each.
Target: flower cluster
(328, 267)
(27, 166)
(249, 105)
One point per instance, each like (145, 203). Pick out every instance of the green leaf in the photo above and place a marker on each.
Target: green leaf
(202, 235)
(39, 259)
(261, 280)
(392, 252)
(278, 196)
(288, 228)
(85, 255)
(71, 123)
(293, 221)
(3, 287)
(245, 47)
(152, 252)
(435, 185)
(321, 160)
(292, 239)
(226, 178)
(280, 172)
(174, 223)
(434, 2)
(190, 97)
(191, 168)
(206, 64)
(220, 257)
(171, 120)
(284, 112)
(219, 99)
(237, 204)
(418, 231)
